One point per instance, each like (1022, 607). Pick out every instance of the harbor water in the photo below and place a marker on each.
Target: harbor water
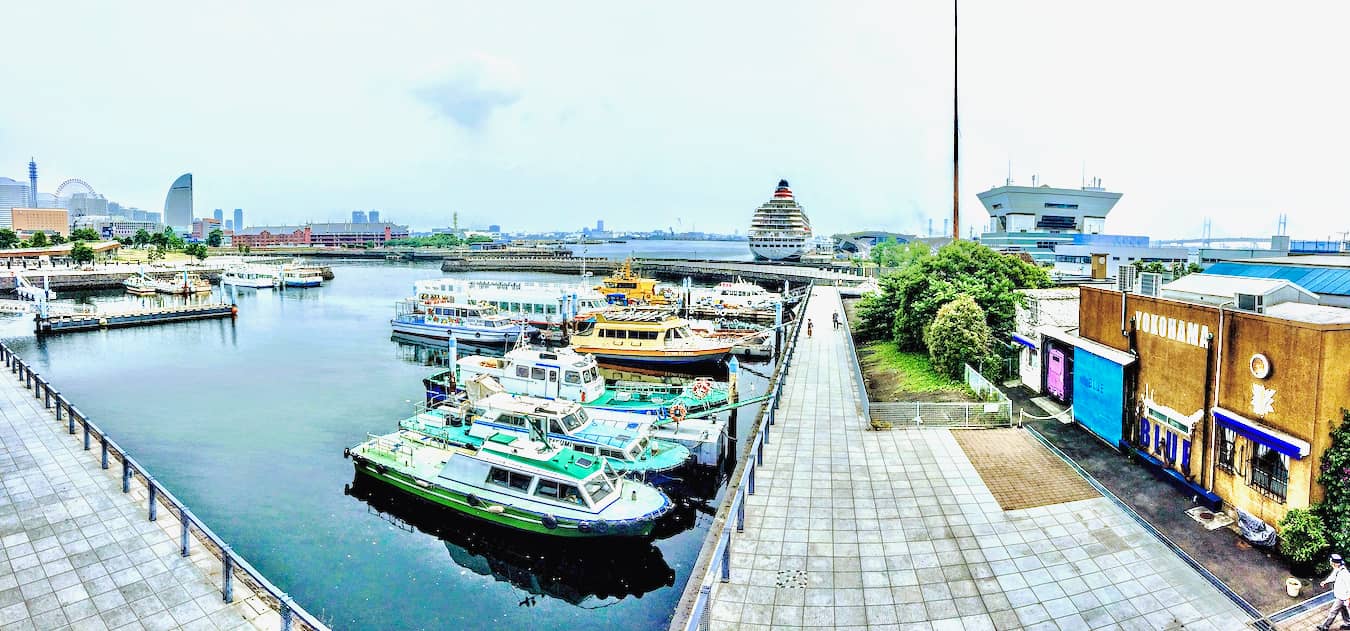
(657, 249)
(246, 421)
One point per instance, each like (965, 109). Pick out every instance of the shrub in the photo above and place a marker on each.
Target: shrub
(1303, 537)
(1335, 480)
(958, 336)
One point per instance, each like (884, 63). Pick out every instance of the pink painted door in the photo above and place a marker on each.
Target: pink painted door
(1054, 374)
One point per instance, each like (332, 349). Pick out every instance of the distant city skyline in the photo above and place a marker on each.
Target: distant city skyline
(462, 107)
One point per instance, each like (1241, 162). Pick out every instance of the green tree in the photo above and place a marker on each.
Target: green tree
(1335, 480)
(141, 238)
(215, 237)
(909, 300)
(84, 234)
(8, 238)
(57, 239)
(1303, 537)
(958, 336)
(159, 240)
(197, 250)
(891, 253)
(38, 240)
(81, 253)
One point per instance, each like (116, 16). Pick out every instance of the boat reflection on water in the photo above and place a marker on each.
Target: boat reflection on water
(574, 572)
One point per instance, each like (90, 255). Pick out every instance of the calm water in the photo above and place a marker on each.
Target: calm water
(714, 250)
(246, 421)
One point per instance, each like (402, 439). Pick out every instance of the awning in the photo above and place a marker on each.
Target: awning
(1096, 348)
(1031, 344)
(1264, 434)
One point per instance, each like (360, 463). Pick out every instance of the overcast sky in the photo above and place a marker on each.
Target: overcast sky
(539, 115)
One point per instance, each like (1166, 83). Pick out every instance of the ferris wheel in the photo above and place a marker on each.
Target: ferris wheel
(72, 186)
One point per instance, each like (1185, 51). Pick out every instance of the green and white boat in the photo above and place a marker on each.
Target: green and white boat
(521, 482)
(470, 418)
(566, 374)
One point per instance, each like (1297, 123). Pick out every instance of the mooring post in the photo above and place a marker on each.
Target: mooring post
(286, 613)
(103, 440)
(186, 519)
(154, 510)
(726, 560)
(126, 475)
(227, 583)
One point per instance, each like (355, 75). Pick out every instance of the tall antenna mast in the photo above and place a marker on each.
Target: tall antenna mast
(956, 132)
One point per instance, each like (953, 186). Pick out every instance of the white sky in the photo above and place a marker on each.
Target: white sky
(651, 115)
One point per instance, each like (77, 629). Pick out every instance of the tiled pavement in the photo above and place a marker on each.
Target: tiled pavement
(77, 553)
(852, 528)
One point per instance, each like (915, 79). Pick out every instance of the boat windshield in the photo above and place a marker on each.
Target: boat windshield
(589, 375)
(599, 488)
(574, 420)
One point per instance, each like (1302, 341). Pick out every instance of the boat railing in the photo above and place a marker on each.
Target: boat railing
(233, 566)
(714, 559)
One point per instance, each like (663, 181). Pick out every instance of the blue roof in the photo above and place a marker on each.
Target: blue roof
(1319, 280)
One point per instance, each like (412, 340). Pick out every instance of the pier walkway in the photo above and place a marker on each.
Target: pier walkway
(75, 552)
(852, 528)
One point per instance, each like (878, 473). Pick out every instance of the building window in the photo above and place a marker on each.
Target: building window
(1227, 448)
(1270, 472)
(1059, 205)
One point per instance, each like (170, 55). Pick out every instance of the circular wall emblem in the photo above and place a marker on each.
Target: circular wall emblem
(1260, 366)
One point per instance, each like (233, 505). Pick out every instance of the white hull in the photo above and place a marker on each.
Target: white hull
(766, 253)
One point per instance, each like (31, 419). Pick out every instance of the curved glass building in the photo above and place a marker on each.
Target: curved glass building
(178, 203)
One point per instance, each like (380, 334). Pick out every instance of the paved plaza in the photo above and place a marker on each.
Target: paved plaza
(853, 528)
(75, 552)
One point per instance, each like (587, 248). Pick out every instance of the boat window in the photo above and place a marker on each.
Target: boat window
(515, 306)
(553, 427)
(572, 377)
(590, 375)
(599, 488)
(513, 479)
(537, 373)
(585, 449)
(612, 453)
(552, 309)
(522, 371)
(571, 422)
(552, 376)
(621, 334)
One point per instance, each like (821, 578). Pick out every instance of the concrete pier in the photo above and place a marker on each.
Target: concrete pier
(76, 552)
(850, 528)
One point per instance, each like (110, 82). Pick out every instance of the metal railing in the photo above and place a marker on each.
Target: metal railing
(232, 564)
(864, 401)
(718, 562)
(995, 412)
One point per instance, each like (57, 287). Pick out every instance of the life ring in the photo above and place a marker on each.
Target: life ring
(550, 522)
(678, 412)
(473, 500)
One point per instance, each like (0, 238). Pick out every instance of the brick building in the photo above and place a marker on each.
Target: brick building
(324, 234)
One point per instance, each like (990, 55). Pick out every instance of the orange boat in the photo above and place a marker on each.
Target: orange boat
(647, 336)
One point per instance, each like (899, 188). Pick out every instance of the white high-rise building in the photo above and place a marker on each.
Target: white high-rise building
(13, 194)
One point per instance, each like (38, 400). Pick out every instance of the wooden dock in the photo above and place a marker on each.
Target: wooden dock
(68, 322)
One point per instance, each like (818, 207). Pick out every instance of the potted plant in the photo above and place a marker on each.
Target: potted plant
(1303, 541)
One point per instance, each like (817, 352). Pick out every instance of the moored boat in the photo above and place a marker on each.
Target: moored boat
(301, 276)
(566, 374)
(522, 482)
(542, 305)
(647, 336)
(253, 276)
(469, 418)
(139, 285)
(740, 295)
(438, 320)
(182, 285)
(626, 287)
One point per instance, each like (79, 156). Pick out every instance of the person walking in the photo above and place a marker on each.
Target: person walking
(808, 328)
(836, 320)
(1341, 591)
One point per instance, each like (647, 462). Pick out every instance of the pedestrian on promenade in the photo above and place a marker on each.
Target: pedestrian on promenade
(836, 320)
(1341, 591)
(808, 328)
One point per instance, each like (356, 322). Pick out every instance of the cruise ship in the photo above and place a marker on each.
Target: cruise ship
(780, 229)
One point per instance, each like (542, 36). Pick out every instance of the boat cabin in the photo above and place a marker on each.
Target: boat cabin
(562, 374)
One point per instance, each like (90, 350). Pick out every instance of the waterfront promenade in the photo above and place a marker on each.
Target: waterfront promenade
(854, 528)
(75, 552)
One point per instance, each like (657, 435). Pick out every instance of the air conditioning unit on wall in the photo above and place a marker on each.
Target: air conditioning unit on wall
(1125, 277)
(1149, 284)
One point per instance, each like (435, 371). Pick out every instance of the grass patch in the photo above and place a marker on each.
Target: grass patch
(896, 375)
